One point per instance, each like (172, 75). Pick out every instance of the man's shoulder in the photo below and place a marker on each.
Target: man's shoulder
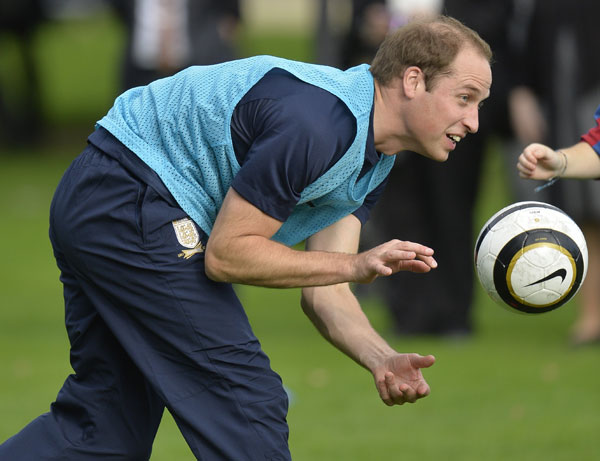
(291, 100)
(280, 84)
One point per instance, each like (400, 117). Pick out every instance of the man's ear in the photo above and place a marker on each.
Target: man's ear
(413, 81)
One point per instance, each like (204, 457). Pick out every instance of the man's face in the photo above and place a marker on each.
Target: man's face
(445, 114)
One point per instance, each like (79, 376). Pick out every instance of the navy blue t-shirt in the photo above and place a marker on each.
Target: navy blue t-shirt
(287, 133)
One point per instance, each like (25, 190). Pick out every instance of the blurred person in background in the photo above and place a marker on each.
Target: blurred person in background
(556, 86)
(166, 36)
(581, 160)
(437, 201)
(368, 27)
(20, 103)
(211, 177)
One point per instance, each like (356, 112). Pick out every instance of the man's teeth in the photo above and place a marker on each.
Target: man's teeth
(454, 137)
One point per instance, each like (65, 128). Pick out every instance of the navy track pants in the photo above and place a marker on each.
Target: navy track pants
(148, 330)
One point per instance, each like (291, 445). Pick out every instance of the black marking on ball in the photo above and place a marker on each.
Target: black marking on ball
(524, 240)
(562, 273)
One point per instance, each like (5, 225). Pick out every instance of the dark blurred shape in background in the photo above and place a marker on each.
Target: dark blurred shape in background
(20, 119)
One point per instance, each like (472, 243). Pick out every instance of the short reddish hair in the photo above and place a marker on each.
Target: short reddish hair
(430, 44)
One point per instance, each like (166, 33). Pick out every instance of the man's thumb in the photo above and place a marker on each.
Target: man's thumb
(420, 361)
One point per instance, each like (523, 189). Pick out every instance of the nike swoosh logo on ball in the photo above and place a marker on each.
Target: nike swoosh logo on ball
(562, 273)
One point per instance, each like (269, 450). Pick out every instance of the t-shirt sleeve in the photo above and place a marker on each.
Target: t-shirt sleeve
(294, 140)
(592, 137)
(364, 212)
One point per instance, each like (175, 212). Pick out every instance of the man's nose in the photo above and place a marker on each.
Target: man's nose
(471, 120)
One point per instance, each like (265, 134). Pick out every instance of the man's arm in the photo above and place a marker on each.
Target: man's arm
(336, 313)
(239, 250)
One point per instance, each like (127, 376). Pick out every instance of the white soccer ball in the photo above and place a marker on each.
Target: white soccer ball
(531, 257)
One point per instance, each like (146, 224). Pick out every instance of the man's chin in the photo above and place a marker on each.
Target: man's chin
(437, 156)
(445, 156)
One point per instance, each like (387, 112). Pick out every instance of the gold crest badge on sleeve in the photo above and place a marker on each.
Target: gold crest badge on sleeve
(188, 237)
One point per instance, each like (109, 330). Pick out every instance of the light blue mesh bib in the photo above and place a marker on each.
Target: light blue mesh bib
(180, 127)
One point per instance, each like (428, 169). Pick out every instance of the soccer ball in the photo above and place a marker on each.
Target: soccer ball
(531, 257)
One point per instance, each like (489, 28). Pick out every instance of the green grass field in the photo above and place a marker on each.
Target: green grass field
(514, 391)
